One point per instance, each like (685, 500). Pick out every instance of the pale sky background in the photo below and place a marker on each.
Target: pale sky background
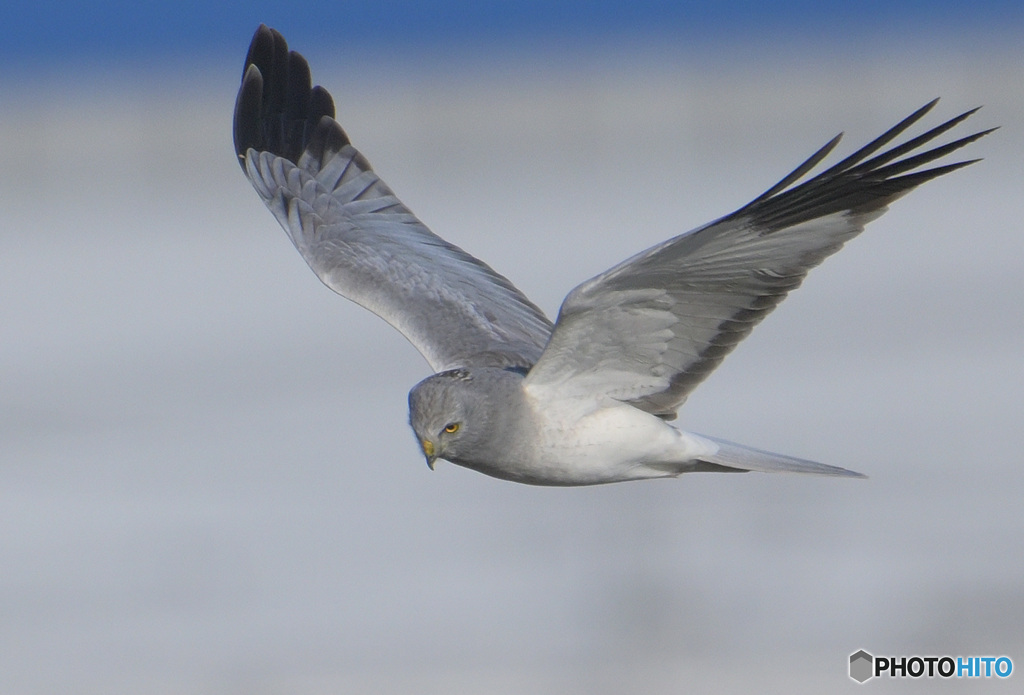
(207, 482)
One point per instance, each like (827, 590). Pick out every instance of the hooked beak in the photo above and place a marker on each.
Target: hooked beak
(428, 450)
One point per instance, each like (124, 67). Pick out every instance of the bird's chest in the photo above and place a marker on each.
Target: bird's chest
(598, 444)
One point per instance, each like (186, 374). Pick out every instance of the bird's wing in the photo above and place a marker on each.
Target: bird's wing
(649, 330)
(358, 238)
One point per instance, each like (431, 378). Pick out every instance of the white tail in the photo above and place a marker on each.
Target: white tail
(736, 457)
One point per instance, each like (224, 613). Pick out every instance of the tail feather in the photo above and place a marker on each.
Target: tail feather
(736, 457)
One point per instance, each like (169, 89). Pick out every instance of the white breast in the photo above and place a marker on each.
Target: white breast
(581, 442)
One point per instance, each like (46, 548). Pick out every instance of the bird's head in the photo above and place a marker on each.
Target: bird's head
(445, 413)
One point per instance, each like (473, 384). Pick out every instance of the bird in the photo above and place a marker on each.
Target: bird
(589, 398)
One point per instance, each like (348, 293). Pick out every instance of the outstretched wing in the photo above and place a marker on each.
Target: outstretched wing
(358, 238)
(649, 330)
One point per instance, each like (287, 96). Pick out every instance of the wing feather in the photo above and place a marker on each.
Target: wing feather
(357, 236)
(650, 329)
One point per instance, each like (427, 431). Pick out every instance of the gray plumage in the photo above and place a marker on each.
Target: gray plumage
(585, 400)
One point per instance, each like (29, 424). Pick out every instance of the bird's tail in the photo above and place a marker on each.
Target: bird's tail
(736, 457)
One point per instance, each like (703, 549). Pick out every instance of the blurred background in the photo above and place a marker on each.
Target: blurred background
(207, 482)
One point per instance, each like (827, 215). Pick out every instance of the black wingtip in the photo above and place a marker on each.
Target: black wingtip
(882, 140)
(261, 48)
(804, 167)
(864, 181)
(247, 111)
(278, 109)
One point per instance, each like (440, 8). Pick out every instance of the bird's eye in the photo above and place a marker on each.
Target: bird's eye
(451, 427)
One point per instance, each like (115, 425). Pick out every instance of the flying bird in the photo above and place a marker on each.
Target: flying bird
(586, 399)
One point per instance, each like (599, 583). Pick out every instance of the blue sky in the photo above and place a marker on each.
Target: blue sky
(55, 32)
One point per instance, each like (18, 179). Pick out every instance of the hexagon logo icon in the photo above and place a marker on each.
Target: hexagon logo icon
(861, 664)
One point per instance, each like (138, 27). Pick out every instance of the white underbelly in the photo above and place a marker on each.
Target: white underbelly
(609, 444)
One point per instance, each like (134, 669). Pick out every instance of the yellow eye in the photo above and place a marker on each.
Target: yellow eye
(451, 427)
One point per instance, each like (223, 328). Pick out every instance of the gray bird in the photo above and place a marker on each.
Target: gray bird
(585, 400)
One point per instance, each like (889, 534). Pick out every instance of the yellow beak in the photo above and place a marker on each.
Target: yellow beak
(428, 449)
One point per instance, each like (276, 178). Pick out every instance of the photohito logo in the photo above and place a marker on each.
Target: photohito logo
(864, 666)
